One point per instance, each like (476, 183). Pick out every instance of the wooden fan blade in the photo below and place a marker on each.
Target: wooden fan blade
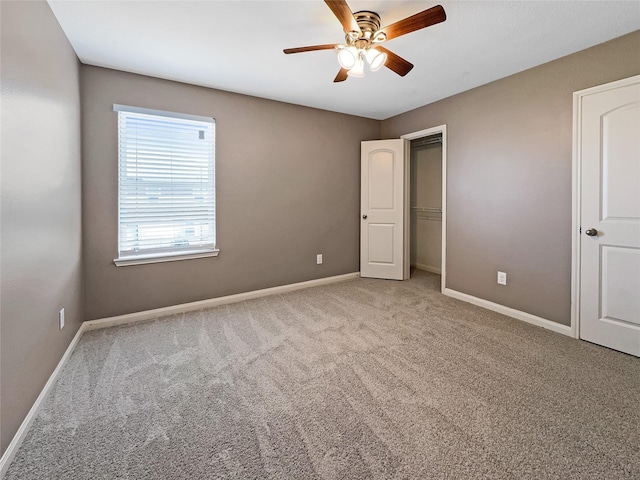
(328, 46)
(395, 62)
(343, 13)
(415, 22)
(342, 75)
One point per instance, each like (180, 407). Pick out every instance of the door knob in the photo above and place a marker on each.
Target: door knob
(592, 232)
(364, 216)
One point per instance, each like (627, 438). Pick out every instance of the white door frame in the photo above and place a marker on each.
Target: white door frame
(442, 129)
(576, 171)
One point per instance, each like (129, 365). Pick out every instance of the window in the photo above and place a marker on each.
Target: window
(166, 186)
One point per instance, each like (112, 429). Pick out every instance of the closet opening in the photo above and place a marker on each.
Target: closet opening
(425, 207)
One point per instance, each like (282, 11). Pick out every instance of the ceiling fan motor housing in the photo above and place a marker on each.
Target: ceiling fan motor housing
(369, 23)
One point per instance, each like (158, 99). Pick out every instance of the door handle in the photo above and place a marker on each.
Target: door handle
(364, 216)
(592, 232)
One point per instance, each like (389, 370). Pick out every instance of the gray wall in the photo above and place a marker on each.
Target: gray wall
(40, 198)
(509, 177)
(287, 188)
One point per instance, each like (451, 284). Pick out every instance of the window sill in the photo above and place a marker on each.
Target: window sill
(165, 257)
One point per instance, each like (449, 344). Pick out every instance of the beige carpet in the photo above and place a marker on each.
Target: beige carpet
(357, 380)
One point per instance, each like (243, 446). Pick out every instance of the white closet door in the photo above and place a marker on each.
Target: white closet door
(382, 209)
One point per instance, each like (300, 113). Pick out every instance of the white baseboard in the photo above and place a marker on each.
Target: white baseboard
(427, 268)
(510, 312)
(13, 447)
(213, 302)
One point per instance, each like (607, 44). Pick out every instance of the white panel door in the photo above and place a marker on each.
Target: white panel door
(610, 218)
(382, 209)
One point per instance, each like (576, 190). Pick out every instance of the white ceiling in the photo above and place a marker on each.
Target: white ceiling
(237, 45)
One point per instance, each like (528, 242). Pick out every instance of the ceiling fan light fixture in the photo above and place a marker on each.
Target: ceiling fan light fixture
(376, 59)
(358, 69)
(347, 57)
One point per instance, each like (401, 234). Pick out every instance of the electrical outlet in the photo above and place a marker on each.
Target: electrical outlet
(61, 319)
(502, 278)
(319, 259)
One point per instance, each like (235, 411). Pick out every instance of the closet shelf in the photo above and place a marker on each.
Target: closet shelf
(427, 209)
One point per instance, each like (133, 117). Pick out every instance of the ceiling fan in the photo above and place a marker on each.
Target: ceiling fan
(363, 37)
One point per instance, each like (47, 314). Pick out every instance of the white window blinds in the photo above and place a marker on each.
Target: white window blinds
(166, 183)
